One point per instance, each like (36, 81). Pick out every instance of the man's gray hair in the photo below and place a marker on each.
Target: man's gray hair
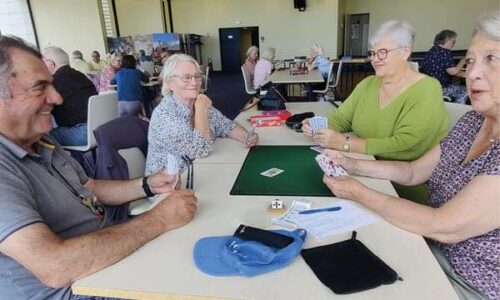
(399, 32)
(77, 54)
(252, 49)
(56, 54)
(171, 65)
(7, 44)
(269, 53)
(488, 25)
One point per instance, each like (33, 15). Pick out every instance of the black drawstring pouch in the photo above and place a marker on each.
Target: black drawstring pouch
(348, 266)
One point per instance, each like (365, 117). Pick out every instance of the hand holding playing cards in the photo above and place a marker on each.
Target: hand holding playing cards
(306, 128)
(328, 138)
(345, 187)
(311, 126)
(328, 167)
(338, 158)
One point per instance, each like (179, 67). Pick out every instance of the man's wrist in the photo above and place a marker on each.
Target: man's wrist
(146, 188)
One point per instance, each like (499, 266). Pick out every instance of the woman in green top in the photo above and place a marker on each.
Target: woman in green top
(397, 114)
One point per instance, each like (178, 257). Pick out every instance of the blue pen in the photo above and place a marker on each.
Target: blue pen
(313, 211)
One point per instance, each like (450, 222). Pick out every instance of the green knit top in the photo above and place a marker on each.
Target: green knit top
(405, 129)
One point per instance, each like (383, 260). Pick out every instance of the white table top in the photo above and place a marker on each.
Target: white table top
(164, 267)
(283, 76)
(278, 135)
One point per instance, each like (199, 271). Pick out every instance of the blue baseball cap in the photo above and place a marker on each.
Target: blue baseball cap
(230, 255)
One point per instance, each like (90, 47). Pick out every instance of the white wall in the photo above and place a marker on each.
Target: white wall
(428, 17)
(291, 32)
(139, 17)
(71, 25)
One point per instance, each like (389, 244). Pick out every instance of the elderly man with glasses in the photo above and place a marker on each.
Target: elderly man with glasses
(398, 114)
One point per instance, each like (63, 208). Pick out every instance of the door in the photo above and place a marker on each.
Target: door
(356, 34)
(234, 43)
(230, 39)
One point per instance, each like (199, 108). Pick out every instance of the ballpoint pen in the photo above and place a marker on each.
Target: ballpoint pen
(318, 210)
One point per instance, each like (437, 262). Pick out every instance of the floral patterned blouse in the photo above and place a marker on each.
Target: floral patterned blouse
(477, 260)
(106, 75)
(171, 132)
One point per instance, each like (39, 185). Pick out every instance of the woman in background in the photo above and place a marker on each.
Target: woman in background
(251, 61)
(115, 62)
(128, 79)
(264, 67)
(439, 63)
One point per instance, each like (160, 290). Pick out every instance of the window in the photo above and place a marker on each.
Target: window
(108, 18)
(15, 19)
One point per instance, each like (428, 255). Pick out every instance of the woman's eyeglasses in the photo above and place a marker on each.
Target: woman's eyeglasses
(380, 53)
(188, 77)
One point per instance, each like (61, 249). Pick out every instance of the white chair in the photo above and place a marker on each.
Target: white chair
(333, 85)
(249, 89)
(327, 84)
(102, 108)
(205, 81)
(148, 66)
(456, 111)
(136, 164)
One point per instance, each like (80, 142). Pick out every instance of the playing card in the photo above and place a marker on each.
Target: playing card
(272, 172)
(318, 123)
(318, 149)
(172, 165)
(326, 164)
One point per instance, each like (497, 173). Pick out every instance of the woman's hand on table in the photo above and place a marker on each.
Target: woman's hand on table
(252, 140)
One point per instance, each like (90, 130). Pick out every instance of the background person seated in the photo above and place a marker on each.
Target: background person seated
(264, 67)
(75, 89)
(109, 71)
(397, 114)
(128, 79)
(55, 222)
(463, 222)
(439, 63)
(318, 60)
(251, 60)
(79, 64)
(185, 122)
(97, 63)
(144, 57)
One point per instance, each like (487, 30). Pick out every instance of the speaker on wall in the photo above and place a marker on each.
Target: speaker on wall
(299, 4)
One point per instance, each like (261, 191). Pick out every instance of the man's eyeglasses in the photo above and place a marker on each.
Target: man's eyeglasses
(188, 77)
(380, 53)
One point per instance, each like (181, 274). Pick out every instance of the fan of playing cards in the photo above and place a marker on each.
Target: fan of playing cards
(326, 164)
(318, 123)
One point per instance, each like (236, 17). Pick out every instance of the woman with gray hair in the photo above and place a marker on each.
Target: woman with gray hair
(109, 72)
(264, 67)
(438, 63)
(185, 123)
(463, 220)
(318, 60)
(397, 114)
(251, 60)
